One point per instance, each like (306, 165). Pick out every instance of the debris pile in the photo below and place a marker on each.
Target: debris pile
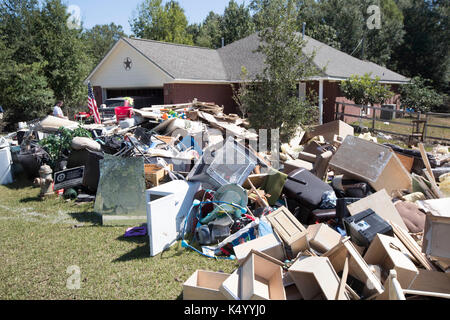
(328, 215)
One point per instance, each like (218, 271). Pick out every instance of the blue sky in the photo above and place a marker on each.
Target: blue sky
(120, 11)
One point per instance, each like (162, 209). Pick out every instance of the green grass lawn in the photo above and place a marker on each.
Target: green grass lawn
(407, 130)
(39, 240)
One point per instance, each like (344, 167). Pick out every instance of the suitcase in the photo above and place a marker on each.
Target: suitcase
(305, 188)
(321, 216)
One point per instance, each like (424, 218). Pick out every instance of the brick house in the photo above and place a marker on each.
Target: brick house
(168, 73)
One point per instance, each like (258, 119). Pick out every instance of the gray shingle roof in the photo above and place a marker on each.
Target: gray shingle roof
(225, 64)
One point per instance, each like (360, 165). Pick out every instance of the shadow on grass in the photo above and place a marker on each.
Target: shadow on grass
(141, 252)
(30, 199)
(21, 181)
(87, 217)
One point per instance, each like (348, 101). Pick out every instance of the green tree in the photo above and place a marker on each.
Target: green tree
(100, 39)
(163, 23)
(63, 49)
(237, 22)
(420, 95)
(210, 34)
(365, 90)
(271, 99)
(24, 92)
(426, 49)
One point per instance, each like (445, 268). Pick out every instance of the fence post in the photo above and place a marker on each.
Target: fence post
(374, 116)
(425, 127)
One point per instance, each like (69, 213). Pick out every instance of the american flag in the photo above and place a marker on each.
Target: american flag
(93, 104)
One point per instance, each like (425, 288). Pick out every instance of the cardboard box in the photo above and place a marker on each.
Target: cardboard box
(322, 238)
(261, 278)
(374, 163)
(204, 285)
(315, 278)
(291, 231)
(389, 253)
(269, 244)
(357, 266)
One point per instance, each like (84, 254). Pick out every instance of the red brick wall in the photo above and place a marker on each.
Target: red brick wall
(333, 94)
(98, 95)
(220, 94)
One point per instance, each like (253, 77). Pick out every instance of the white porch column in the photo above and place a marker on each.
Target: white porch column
(320, 102)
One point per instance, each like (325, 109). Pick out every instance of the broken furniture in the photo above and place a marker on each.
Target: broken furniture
(371, 162)
(268, 244)
(204, 285)
(436, 239)
(357, 266)
(316, 278)
(322, 238)
(167, 207)
(261, 278)
(329, 130)
(290, 230)
(389, 253)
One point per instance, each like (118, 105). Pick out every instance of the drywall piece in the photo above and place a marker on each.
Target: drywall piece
(261, 278)
(292, 165)
(269, 244)
(204, 285)
(388, 253)
(381, 203)
(358, 268)
(167, 208)
(230, 287)
(329, 130)
(376, 164)
(431, 281)
(322, 238)
(436, 239)
(290, 230)
(315, 278)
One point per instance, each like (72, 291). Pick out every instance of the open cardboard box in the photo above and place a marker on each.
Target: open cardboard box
(322, 238)
(269, 244)
(390, 253)
(204, 285)
(261, 278)
(316, 278)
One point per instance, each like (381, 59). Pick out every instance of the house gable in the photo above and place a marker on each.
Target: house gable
(111, 72)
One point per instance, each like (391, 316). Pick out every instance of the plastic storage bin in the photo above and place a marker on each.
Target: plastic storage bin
(123, 113)
(230, 164)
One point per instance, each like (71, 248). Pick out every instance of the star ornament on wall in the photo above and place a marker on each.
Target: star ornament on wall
(127, 63)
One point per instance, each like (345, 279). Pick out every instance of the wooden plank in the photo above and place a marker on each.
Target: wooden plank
(340, 293)
(412, 246)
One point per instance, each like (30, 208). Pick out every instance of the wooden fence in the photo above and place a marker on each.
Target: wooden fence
(417, 119)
